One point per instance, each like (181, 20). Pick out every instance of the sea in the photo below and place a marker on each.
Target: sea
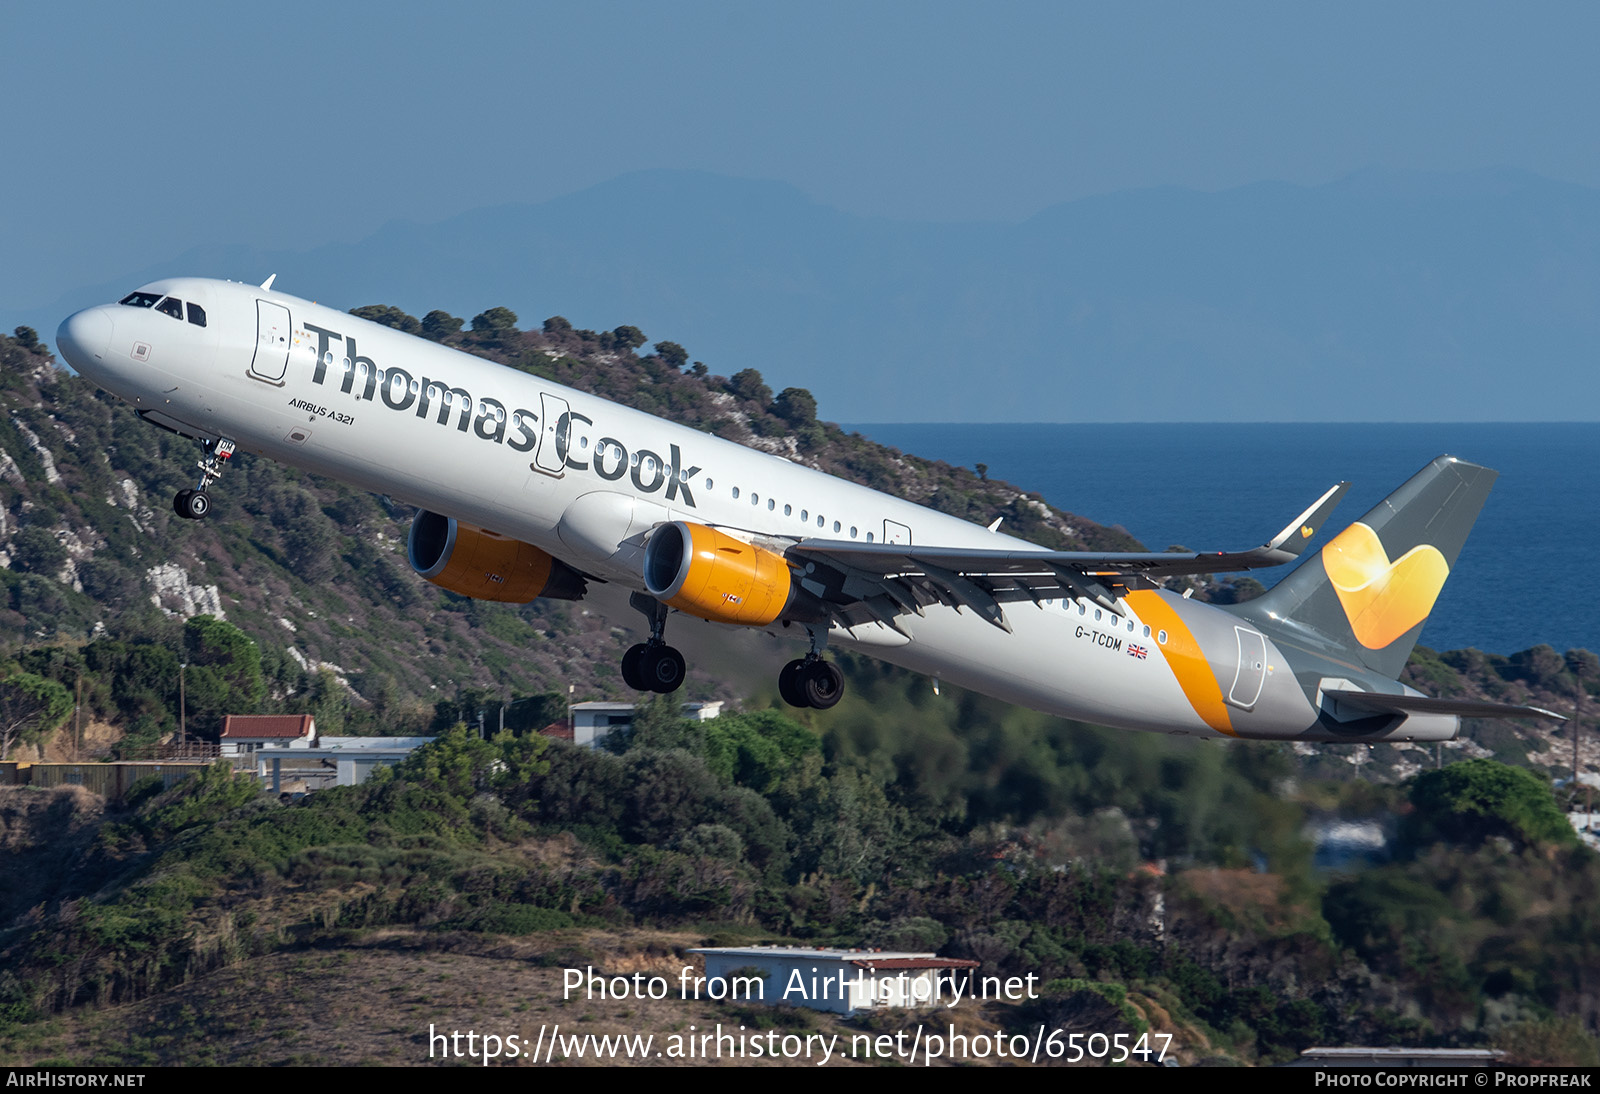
(1528, 574)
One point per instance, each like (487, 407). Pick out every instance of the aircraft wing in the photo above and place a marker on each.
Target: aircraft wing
(866, 581)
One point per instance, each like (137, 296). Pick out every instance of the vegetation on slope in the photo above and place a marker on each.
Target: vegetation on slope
(758, 827)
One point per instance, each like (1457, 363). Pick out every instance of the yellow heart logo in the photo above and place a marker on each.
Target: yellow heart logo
(1382, 599)
(1306, 531)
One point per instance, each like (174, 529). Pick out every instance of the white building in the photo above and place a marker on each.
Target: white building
(246, 733)
(355, 758)
(286, 747)
(591, 722)
(841, 981)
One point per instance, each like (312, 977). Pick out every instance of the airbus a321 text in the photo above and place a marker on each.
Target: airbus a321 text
(527, 489)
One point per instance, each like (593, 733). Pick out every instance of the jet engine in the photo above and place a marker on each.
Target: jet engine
(485, 565)
(710, 574)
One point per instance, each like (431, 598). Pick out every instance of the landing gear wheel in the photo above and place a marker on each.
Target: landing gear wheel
(789, 683)
(822, 684)
(633, 668)
(664, 669)
(191, 504)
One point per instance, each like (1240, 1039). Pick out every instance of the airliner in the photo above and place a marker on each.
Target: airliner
(528, 489)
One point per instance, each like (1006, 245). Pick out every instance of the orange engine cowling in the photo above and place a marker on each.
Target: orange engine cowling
(710, 574)
(487, 566)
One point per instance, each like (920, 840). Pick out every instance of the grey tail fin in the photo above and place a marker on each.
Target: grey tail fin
(1367, 592)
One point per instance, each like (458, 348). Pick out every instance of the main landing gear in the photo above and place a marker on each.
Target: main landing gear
(195, 504)
(653, 665)
(810, 681)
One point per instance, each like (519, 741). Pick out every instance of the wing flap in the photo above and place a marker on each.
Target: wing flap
(866, 581)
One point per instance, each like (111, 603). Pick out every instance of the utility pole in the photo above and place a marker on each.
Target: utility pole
(1577, 728)
(1581, 664)
(183, 708)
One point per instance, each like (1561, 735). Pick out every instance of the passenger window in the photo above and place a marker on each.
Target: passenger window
(819, 520)
(1147, 631)
(788, 510)
(852, 531)
(197, 315)
(869, 537)
(771, 505)
(804, 515)
(140, 300)
(736, 492)
(1161, 636)
(171, 306)
(755, 499)
(835, 526)
(1097, 615)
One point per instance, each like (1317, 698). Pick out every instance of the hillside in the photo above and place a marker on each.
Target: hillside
(1170, 893)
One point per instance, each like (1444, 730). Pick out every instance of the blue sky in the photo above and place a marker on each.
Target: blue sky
(136, 131)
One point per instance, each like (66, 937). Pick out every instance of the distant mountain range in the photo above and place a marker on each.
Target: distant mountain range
(1386, 296)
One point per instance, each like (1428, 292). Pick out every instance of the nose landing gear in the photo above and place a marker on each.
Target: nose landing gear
(194, 504)
(191, 504)
(653, 665)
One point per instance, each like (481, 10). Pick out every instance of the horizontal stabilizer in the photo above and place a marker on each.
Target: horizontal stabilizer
(1379, 703)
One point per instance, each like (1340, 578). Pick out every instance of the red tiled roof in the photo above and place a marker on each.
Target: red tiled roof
(558, 731)
(236, 726)
(915, 963)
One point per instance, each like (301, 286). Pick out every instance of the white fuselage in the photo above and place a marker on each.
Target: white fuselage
(587, 480)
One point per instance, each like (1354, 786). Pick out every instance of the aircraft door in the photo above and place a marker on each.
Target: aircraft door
(272, 341)
(1252, 672)
(553, 432)
(896, 533)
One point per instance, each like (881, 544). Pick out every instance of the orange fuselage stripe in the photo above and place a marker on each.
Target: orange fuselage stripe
(1186, 660)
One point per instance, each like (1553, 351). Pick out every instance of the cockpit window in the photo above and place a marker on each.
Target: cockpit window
(197, 315)
(171, 306)
(140, 299)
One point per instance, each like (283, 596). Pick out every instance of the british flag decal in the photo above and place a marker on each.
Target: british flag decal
(1137, 651)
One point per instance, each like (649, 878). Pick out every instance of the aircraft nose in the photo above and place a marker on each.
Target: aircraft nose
(84, 336)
